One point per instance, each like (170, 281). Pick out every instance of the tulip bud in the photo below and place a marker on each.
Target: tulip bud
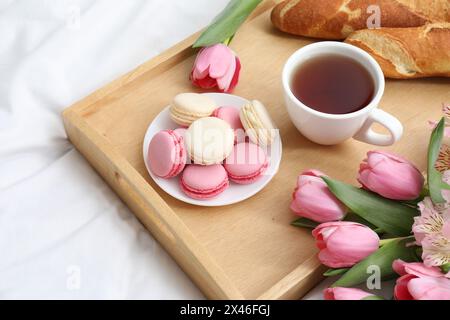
(427, 288)
(343, 243)
(340, 293)
(390, 176)
(313, 200)
(420, 282)
(216, 66)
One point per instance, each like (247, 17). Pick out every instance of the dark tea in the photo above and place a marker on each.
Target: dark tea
(333, 84)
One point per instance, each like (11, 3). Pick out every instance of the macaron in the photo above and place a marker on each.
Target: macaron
(246, 163)
(229, 115)
(181, 132)
(257, 123)
(167, 154)
(209, 140)
(188, 107)
(204, 182)
(232, 117)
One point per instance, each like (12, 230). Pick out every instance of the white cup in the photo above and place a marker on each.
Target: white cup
(329, 129)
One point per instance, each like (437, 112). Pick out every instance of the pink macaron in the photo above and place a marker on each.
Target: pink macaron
(231, 116)
(246, 163)
(204, 182)
(181, 132)
(167, 154)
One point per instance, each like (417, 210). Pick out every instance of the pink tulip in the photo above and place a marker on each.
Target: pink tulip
(390, 176)
(419, 282)
(340, 293)
(429, 288)
(313, 200)
(216, 66)
(344, 243)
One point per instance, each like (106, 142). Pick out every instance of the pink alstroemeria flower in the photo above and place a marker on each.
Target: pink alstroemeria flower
(446, 112)
(432, 229)
(443, 161)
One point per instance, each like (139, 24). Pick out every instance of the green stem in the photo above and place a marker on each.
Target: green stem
(227, 41)
(386, 241)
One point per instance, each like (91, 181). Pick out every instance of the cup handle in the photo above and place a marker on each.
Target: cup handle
(367, 135)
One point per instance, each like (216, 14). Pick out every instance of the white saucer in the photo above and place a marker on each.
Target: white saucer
(235, 193)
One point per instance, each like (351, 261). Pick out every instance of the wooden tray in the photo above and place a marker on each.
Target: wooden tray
(247, 250)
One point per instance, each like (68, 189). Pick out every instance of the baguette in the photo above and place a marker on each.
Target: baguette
(336, 19)
(405, 53)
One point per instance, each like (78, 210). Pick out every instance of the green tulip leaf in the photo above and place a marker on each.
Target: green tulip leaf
(382, 258)
(392, 217)
(304, 223)
(358, 219)
(435, 183)
(373, 298)
(225, 25)
(335, 272)
(310, 224)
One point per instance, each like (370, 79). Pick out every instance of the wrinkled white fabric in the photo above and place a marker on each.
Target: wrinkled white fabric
(63, 233)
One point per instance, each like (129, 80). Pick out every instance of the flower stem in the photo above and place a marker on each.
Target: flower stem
(386, 241)
(227, 41)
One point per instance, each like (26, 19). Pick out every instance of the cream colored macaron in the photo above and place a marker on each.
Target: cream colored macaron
(188, 107)
(209, 140)
(257, 123)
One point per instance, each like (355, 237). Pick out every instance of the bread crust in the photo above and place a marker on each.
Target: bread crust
(336, 19)
(406, 53)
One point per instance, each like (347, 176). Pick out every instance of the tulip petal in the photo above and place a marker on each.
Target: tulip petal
(224, 82)
(390, 176)
(199, 75)
(376, 156)
(220, 61)
(330, 260)
(401, 291)
(313, 173)
(344, 243)
(314, 201)
(201, 64)
(417, 269)
(353, 243)
(235, 79)
(214, 60)
(206, 83)
(340, 293)
(399, 267)
(428, 288)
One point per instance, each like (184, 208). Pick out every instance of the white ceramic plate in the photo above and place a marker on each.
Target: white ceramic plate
(235, 193)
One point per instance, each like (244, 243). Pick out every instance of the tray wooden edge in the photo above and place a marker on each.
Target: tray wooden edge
(151, 209)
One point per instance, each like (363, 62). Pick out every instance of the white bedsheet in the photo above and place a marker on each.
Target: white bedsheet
(63, 233)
